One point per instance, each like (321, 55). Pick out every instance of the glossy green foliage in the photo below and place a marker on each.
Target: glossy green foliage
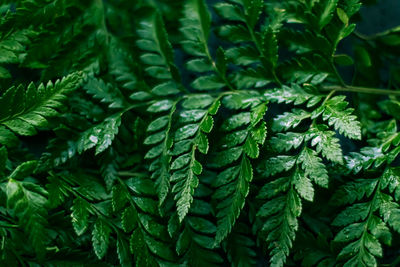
(197, 133)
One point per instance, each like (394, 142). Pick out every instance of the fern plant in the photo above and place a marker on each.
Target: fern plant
(198, 133)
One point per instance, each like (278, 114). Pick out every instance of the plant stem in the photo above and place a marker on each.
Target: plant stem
(376, 35)
(7, 225)
(131, 174)
(359, 89)
(331, 93)
(337, 73)
(329, 96)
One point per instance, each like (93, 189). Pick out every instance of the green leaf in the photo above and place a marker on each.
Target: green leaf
(270, 47)
(80, 215)
(226, 157)
(373, 246)
(139, 96)
(233, 188)
(234, 33)
(152, 31)
(199, 65)
(186, 131)
(7, 138)
(352, 214)
(24, 110)
(253, 10)
(193, 115)
(139, 146)
(197, 101)
(351, 191)
(181, 161)
(328, 8)
(303, 185)
(236, 121)
(259, 133)
(129, 219)
(160, 106)
(184, 189)
(106, 93)
(23, 170)
(210, 82)
(289, 120)
(119, 198)
(154, 138)
(350, 232)
(280, 228)
(243, 55)
(251, 147)
(342, 16)
(229, 12)
(287, 141)
(165, 89)
(100, 238)
(100, 136)
(202, 15)
(158, 124)
(327, 143)
(26, 201)
(202, 143)
(257, 113)
(58, 191)
(341, 118)
(123, 252)
(197, 168)
(207, 124)
(242, 100)
(313, 167)
(276, 165)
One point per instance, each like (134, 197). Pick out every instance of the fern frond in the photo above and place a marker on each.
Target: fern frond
(294, 94)
(195, 237)
(13, 43)
(100, 136)
(73, 44)
(196, 122)
(159, 152)
(159, 54)
(153, 149)
(336, 114)
(282, 212)
(243, 17)
(105, 93)
(300, 169)
(318, 252)
(240, 246)
(368, 221)
(238, 146)
(196, 27)
(27, 202)
(149, 237)
(23, 111)
(109, 167)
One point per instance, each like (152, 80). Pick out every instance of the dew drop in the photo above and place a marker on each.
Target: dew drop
(94, 139)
